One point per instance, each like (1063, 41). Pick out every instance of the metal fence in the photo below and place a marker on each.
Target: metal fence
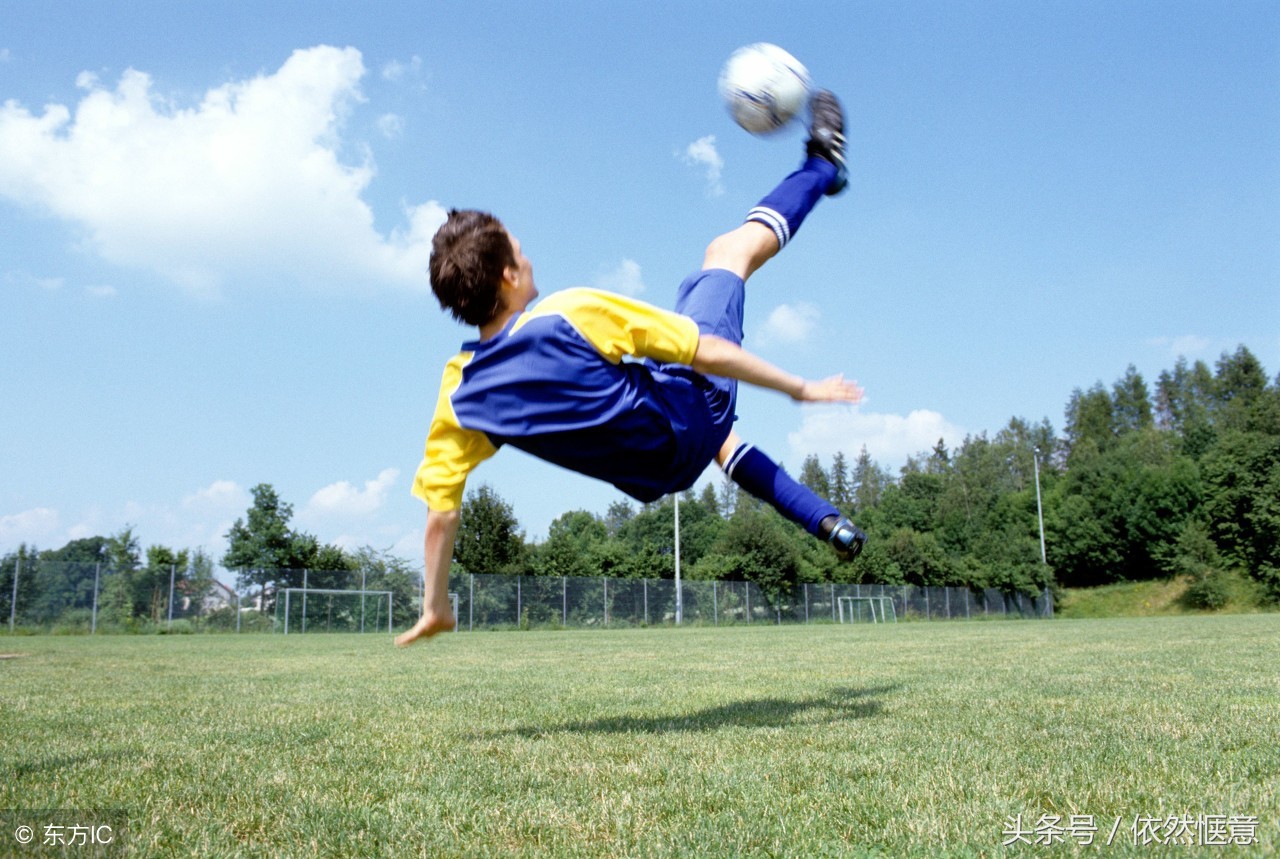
(82, 598)
(525, 602)
(89, 596)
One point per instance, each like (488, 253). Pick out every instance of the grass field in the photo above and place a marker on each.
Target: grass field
(915, 739)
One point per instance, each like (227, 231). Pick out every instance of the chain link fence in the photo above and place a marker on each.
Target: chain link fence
(92, 597)
(526, 602)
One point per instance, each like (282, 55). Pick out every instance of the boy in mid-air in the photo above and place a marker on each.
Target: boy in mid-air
(551, 380)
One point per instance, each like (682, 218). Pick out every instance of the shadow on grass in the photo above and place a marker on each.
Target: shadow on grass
(43, 764)
(837, 705)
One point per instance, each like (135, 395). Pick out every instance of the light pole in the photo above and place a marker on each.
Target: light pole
(97, 574)
(1035, 458)
(13, 602)
(679, 596)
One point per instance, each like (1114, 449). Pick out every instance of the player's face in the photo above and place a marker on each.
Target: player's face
(525, 289)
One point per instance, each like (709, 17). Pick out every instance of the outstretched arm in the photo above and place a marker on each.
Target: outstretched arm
(437, 613)
(719, 357)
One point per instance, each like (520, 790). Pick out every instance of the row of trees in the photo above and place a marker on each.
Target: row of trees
(1138, 486)
(133, 590)
(1185, 481)
(109, 573)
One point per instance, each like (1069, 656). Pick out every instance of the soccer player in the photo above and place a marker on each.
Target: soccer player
(551, 379)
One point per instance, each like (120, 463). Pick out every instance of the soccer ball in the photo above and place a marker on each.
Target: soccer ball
(764, 87)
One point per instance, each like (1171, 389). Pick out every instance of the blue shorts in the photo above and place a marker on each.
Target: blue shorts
(713, 299)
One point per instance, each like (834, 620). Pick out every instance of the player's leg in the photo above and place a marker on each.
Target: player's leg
(714, 299)
(742, 250)
(755, 472)
(772, 223)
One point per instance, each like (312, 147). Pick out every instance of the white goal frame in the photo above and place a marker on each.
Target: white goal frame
(871, 602)
(288, 592)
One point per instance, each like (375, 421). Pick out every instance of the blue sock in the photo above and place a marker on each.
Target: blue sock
(786, 206)
(765, 479)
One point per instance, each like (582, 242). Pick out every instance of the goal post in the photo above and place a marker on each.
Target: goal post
(345, 610)
(853, 607)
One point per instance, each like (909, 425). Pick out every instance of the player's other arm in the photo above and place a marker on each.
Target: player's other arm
(719, 357)
(442, 530)
(437, 550)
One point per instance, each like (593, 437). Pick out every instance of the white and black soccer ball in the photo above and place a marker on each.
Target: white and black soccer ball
(764, 87)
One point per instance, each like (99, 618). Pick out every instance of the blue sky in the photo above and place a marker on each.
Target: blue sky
(214, 223)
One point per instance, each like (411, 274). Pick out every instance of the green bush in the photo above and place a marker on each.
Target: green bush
(1211, 592)
(221, 619)
(76, 621)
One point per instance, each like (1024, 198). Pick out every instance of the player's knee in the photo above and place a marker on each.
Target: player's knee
(741, 251)
(730, 252)
(719, 251)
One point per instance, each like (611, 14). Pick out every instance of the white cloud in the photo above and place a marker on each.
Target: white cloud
(1185, 346)
(342, 499)
(34, 527)
(625, 279)
(219, 495)
(395, 71)
(391, 126)
(206, 515)
(24, 280)
(79, 531)
(889, 439)
(408, 545)
(250, 179)
(5, 56)
(702, 153)
(791, 323)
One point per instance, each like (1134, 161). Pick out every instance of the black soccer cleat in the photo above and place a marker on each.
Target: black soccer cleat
(845, 537)
(826, 136)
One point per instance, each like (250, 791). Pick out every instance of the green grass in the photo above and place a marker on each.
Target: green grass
(1157, 597)
(915, 739)
(1124, 599)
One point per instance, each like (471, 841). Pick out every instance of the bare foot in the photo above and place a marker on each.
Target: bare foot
(427, 626)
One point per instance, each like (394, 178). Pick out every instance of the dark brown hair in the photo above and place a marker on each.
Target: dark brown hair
(468, 257)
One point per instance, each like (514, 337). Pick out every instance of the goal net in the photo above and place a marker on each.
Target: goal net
(322, 610)
(866, 609)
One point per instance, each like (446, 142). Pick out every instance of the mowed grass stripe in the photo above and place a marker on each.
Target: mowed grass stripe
(917, 738)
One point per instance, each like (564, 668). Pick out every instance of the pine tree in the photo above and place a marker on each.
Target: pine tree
(1238, 382)
(1090, 419)
(813, 476)
(869, 482)
(1185, 403)
(710, 499)
(841, 490)
(1131, 403)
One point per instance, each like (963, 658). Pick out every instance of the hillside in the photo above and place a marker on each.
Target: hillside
(1157, 597)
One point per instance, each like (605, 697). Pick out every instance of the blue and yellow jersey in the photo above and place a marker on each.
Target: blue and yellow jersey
(555, 383)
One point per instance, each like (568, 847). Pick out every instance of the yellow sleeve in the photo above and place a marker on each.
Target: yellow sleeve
(617, 325)
(452, 451)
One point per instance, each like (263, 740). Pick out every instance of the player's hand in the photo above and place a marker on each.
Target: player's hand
(831, 390)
